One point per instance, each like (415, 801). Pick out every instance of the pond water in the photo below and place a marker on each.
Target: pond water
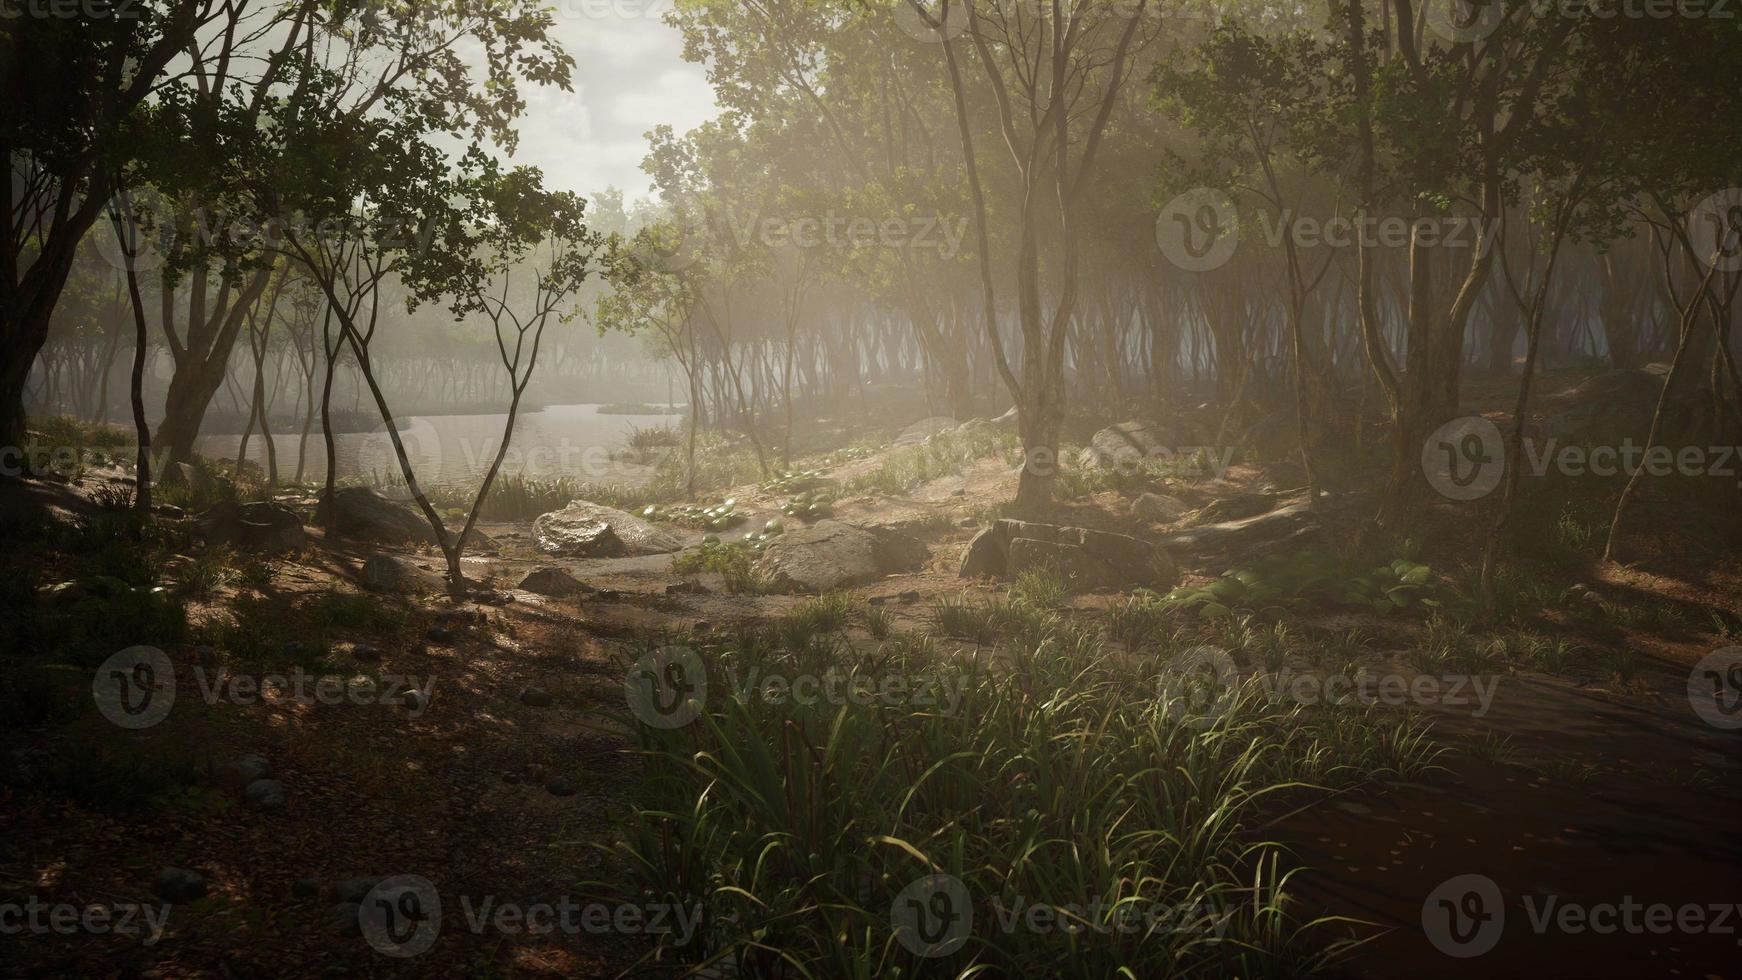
(559, 440)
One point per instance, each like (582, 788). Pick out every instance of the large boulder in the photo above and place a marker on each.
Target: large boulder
(362, 513)
(395, 576)
(1159, 508)
(264, 527)
(588, 530)
(1128, 444)
(1089, 559)
(553, 582)
(832, 555)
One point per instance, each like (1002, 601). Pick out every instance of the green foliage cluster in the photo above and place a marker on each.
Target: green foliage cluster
(1307, 579)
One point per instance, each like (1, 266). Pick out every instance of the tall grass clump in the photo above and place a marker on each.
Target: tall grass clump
(795, 826)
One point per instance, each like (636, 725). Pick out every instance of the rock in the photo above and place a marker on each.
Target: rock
(909, 597)
(537, 772)
(243, 771)
(260, 527)
(1159, 508)
(345, 918)
(265, 794)
(562, 787)
(588, 530)
(296, 650)
(1090, 559)
(395, 576)
(415, 700)
(687, 588)
(968, 522)
(360, 512)
(553, 582)
(534, 697)
(440, 634)
(171, 511)
(365, 515)
(831, 555)
(1237, 507)
(206, 655)
(306, 888)
(1128, 444)
(365, 653)
(179, 885)
(493, 598)
(354, 890)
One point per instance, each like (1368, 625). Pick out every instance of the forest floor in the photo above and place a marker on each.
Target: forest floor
(1592, 782)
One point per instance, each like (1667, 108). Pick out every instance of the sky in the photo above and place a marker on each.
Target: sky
(629, 77)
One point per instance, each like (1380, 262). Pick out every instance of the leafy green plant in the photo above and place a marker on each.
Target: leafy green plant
(733, 561)
(1306, 579)
(717, 517)
(797, 481)
(811, 505)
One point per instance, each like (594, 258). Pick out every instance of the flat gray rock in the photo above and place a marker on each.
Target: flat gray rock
(589, 530)
(833, 555)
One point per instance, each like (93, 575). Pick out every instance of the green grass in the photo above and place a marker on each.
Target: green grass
(939, 456)
(1063, 780)
(815, 618)
(733, 561)
(1041, 588)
